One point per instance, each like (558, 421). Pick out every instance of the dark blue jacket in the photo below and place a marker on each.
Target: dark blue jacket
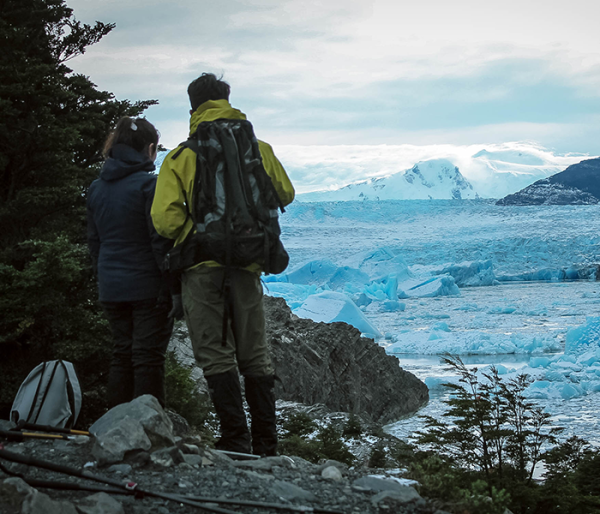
(125, 248)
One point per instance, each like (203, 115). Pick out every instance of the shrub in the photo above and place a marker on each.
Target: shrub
(302, 437)
(378, 458)
(352, 428)
(483, 458)
(308, 449)
(333, 446)
(493, 428)
(183, 397)
(300, 424)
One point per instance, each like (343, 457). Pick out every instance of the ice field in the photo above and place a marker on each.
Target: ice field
(510, 286)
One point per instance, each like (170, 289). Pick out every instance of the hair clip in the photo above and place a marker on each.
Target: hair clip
(133, 126)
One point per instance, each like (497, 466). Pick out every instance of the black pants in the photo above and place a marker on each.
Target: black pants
(141, 332)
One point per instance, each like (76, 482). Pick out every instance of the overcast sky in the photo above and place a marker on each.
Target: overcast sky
(419, 72)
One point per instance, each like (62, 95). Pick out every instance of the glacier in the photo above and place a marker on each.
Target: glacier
(506, 286)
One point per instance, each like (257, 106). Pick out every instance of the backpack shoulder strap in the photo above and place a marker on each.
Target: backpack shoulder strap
(191, 143)
(73, 390)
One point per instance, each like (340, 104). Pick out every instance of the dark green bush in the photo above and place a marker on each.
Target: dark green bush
(483, 458)
(333, 445)
(300, 424)
(378, 457)
(183, 397)
(301, 436)
(352, 428)
(308, 449)
(53, 124)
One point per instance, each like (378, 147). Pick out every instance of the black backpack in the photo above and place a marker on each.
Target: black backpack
(234, 205)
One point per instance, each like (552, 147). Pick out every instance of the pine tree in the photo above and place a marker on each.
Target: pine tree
(52, 126)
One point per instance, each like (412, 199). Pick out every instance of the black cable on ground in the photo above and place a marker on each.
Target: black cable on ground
(133, 489)
(130, 487)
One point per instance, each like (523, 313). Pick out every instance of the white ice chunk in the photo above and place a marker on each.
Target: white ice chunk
(583, 338)
(330, 306)
(345, 276)
(507, 309)
(545, 389)
(470, 274)
(293, 294)
(314, 272)
(379, 263)
(443, 285)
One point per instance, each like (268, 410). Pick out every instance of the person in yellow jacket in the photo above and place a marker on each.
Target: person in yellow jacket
(245, 349)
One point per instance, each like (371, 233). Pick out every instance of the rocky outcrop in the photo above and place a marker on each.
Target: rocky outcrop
(579, 184)
(334, 365)
(328, 364)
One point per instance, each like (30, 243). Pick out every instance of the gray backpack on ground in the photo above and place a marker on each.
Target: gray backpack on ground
(50, 395)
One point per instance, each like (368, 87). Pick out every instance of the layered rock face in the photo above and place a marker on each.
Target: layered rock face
(333, 365)
(579, 184)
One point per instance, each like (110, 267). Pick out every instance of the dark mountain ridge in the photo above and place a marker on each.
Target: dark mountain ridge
(579, 184)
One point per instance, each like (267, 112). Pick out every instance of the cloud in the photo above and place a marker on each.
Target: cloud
(313, 72)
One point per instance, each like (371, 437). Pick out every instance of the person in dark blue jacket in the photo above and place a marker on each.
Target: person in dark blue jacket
(127, 254)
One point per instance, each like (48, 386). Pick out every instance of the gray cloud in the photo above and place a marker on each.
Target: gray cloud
(361, 71)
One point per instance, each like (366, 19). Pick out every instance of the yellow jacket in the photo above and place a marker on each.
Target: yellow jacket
(176, 177)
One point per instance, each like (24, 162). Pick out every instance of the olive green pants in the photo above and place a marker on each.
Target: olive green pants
(203, 304)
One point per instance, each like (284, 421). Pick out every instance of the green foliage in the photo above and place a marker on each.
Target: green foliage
(481, 458)
(378, 458)
(308, 449)
(484, 501)
(352, 428)
(437, 476)
(572, 479)
(300, 424)
(333, 446)
(493, 428)
(53, 124)
(303, 437)
(182, 394)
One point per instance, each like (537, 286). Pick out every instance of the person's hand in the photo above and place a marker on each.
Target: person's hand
(177, 308)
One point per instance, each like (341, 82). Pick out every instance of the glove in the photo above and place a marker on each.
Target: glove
(177, 308)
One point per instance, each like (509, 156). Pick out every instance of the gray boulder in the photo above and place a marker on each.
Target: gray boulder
(397, 498)
(100, 503)
(19, 497)
(291, 492)
(141, 424)
(334, 365)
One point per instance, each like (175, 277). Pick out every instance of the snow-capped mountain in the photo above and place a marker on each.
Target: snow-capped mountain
(436, 179)
(494, 170)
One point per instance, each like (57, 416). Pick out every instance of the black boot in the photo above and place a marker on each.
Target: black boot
(260, 396)
(226, 394)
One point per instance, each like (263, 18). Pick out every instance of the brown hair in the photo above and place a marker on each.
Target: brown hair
(207, 87)
(138, 133)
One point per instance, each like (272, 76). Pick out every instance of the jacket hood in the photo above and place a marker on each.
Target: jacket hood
(123, 161)
(214, 110)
